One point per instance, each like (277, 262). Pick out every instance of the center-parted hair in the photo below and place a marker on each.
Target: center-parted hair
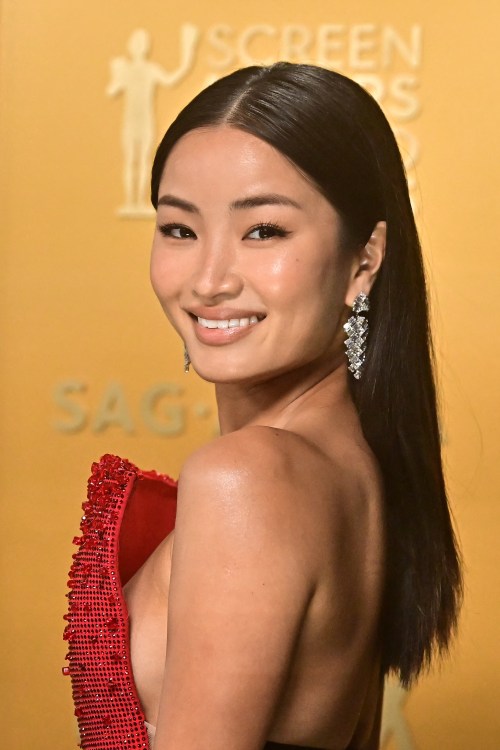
(335, 133)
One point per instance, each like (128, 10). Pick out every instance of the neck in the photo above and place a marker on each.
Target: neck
(274, 402)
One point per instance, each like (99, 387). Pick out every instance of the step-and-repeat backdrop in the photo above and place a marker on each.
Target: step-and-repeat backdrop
(89, 364)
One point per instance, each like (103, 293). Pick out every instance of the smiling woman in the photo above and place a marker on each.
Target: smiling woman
(269, 258)
(313, 551)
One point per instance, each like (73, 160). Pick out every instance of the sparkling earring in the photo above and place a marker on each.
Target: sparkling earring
(187, 361)
(357, 333)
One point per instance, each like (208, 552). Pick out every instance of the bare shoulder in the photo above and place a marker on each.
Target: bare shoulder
(272, 474)
(249, 443)
(266, 459)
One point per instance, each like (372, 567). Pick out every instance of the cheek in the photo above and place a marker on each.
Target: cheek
(305, 280)
(332, 284)
(163, 277)
(330, 274)
(161, 281)
(287, 276)
(155, 275)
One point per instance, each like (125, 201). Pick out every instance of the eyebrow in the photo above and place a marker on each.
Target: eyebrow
(253, 201)
(171, 200)
(266, 199)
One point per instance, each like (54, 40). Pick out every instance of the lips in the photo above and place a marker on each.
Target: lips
(223, 327)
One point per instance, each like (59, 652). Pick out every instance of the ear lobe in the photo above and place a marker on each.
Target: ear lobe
(368, 261)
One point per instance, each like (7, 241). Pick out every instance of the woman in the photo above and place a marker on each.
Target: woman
(313, 551)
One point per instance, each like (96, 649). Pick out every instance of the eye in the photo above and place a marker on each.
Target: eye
(177, 231)
(266, 231)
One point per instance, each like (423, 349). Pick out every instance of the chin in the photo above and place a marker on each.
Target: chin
(228, 370)
(240, 373)
(219, 376)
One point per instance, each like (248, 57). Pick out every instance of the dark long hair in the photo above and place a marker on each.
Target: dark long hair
(336, 133)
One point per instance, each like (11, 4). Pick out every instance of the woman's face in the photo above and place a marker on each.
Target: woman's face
(246, 260)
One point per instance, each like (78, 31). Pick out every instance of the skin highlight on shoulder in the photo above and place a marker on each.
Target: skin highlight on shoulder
(261, 455)
(288, 488)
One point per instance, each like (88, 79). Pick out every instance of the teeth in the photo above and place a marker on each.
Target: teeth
(232, 323)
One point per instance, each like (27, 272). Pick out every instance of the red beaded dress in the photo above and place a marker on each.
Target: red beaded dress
(127, 514)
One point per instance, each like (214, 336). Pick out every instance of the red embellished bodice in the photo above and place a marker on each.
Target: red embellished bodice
(127, 514)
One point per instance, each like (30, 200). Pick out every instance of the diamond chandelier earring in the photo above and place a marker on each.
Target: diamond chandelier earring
(357, 333)
(187, 360)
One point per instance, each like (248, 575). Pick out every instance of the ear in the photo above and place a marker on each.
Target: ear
(366, 264)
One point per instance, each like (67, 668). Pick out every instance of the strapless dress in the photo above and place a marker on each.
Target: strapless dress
(127, 514)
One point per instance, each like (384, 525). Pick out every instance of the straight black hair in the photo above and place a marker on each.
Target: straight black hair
(336, 134)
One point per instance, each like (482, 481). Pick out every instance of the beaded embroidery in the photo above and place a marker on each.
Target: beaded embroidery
(107, 706)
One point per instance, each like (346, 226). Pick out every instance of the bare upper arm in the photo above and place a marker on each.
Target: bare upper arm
(239, 592)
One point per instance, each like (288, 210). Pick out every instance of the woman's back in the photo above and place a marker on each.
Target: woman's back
(304, 526)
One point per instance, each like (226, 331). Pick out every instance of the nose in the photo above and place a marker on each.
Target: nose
(216, 277)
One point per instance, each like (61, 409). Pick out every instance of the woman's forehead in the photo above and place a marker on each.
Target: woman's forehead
(227, 158)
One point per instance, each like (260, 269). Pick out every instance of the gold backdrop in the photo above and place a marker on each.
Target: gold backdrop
(89, 364)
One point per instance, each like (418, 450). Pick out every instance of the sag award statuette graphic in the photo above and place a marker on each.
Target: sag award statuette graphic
(137, 79)
(394, 724)
(383, 58)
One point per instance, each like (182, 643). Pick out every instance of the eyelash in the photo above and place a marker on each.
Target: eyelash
(280, 232)
(166, 230)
